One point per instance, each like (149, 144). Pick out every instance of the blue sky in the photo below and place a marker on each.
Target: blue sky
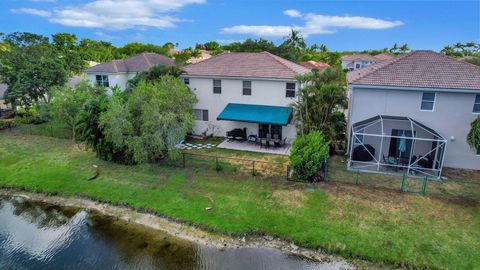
(341, 25)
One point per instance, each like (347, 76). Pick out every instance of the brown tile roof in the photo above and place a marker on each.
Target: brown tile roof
(422, 69)
(359, 57)
(384, 56)
(136, 63)
(243, 64)
(314, 65)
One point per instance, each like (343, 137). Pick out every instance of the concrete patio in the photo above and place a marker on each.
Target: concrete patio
(253, 147)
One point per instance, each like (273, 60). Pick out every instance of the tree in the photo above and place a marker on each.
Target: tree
(153, 74)
(212, 46)
(308, 154)
(155, 118)
(30, 67)
(97, 51)
(68, 103)
(321, 96)
(473, 137)
(135, 48)
(89, 130)
(67, 46)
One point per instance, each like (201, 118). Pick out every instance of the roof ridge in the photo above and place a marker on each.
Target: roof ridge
(382, 65)
(206, 60)
(280, 60)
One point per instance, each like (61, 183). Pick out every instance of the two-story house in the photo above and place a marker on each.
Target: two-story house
(119, 72)
(356, 61)
(248, 91)
(412, 114)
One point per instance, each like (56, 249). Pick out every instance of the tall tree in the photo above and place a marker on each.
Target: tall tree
(155, 118)
(66, 44)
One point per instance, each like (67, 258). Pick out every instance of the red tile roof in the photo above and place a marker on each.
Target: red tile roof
(136, 63)
(422, 69)
(359, 57)
(244, 64)
(314, 65)
(384, 56)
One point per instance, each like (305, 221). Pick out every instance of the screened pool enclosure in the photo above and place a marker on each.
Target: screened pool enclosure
(398, 145)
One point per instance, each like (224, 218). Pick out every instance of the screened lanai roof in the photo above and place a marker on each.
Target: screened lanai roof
(381, 119)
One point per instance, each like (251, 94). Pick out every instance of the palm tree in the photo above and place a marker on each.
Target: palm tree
(473, 137)
(404, 48)
(296, 40)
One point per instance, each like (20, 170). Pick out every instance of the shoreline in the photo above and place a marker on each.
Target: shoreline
(185, 231)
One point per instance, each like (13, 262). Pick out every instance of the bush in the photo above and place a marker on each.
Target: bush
(307, 155)
(28, 116)
(7, 124)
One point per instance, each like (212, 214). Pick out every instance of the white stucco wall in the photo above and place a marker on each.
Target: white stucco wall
(264, 92)
(451, 117)
(119, 79)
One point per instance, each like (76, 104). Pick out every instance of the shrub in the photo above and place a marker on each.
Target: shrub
(7, 124)
(308, 154)
(28, 116)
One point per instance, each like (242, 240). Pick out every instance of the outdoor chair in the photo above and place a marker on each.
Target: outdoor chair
(390, 160)
(269, 136)
(271, 143)
(275, 136)
(263, 142)
(283, 142)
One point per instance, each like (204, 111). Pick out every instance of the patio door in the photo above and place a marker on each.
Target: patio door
(396, 148)
(264, 129)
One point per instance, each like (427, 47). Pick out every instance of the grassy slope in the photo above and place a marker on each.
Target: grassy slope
(373, 224)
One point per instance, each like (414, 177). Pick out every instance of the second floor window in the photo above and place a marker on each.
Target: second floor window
(247, 88)
(428, 102)
(186, 81)
(290, 90)
(102, 80)
(201, 115)
(217, 86)
(476, 106)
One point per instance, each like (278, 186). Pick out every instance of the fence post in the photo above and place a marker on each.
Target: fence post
(424, 187)
(253, 168)
(326, 170)
(402, 187)
(356, 180)
(216, 164)
(183, 157)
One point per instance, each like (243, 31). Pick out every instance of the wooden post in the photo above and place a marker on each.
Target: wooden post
(253, 167)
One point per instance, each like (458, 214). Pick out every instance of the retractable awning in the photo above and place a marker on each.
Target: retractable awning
(274, 115)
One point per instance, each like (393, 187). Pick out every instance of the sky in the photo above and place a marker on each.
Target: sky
(340, 25)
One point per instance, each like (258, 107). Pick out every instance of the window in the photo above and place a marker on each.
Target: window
(357, 65)
(247, 88)
(217, 86)
(428, 102)
(102, 80)
(186, 81)
(201, 115)
(478, 151)
(290, 90)
(476, 105)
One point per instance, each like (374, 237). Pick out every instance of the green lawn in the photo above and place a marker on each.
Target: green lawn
(375, 224)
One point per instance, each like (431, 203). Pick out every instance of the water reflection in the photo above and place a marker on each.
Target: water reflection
(40, 236)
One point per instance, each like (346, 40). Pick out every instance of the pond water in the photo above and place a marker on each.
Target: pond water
(35, 235)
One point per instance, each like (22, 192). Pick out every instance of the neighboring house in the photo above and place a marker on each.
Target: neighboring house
(244, 90)
(315, 66)
(417, 106)
(119, 72)
(3, 89)
(356, 61)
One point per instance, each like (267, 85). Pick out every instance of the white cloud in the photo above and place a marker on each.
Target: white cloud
(293, 13)
(31, 11)
(258, 30)
(120, 14)
(314, 24)
(105, 36)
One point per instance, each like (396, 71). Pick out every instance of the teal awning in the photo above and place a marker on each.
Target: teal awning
(275, 115)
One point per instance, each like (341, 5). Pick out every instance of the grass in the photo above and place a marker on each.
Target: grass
(380, 225)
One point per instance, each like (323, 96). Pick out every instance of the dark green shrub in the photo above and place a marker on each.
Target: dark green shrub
(7, 124)
(307, 155)
(28, 116)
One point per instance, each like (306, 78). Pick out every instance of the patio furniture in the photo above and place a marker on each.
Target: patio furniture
(263, 143)
(252, 138)
(283, 142)
(269, 136)
(390, 160)
(271, 143)
(363, 153)
(237, 134)
(275, 136)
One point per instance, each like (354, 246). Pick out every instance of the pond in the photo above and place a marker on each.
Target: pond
(36, 235)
